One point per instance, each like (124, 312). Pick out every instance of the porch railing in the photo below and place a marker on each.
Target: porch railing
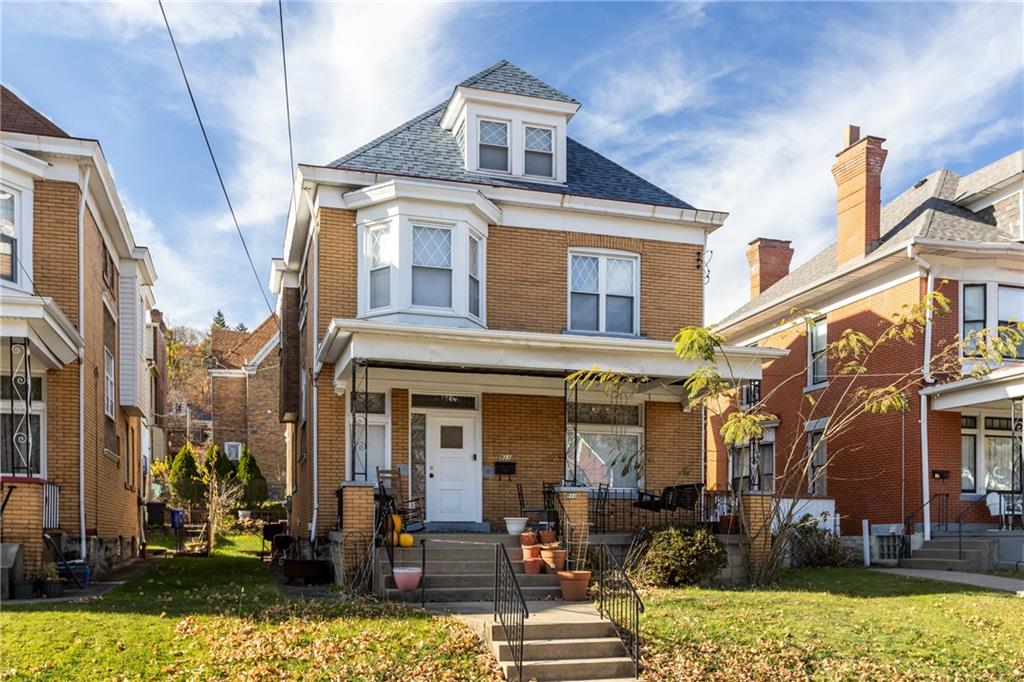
(619, 601)
(939, 502)
(51, 506)
(628, 511)
(509, 607)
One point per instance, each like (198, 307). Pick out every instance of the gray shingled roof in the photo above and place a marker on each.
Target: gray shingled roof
(421, 148)
(507, 77)
(924, 210)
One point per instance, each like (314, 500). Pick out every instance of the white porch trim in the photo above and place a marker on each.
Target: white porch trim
(52, 337)
(1005, 383)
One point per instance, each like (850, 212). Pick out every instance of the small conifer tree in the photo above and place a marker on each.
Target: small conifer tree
(251, 478)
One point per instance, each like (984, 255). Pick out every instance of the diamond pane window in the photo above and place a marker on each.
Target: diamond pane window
(539, 152)
(538, 139)
(602, 294)
(494, 145)
(380, 267)
(432, 263)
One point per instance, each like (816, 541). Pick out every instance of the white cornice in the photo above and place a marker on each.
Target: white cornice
(463, 94)
(41, 320)
(23, 162)
(423, 191)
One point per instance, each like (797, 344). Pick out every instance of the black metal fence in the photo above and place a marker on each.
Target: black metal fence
(628, 511)
(509, 607)
(618, 601)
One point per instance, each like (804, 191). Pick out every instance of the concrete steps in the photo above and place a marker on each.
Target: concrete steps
(461, 594)
(565, 649)
(943, 554)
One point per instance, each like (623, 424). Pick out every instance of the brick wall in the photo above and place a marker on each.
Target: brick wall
(265, 430)
(229, 409)
(23, 522)
(337, 265)
(399, 427)
(331, 453)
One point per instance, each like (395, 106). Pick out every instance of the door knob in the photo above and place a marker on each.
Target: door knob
(431, 475)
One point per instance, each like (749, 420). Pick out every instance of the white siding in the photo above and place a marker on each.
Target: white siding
(134, 385)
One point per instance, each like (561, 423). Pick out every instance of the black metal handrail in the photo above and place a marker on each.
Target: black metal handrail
(619, 602)
(509, 606)
(911, 520)
(960, 532)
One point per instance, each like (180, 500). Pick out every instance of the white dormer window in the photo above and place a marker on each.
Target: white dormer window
(493, 146)
(539, 152)
(380, 267)
(431, 266)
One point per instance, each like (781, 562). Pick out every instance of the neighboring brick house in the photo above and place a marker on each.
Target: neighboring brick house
(245, 387)
(80, 357)
(960, 235)
(439, 283)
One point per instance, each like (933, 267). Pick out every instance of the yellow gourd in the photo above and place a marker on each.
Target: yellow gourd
(395, 538)
(405, 540)
(396, 523)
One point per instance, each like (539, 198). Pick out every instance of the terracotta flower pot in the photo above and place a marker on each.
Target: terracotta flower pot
(547, 537)
(554, 559)
(528, 538)
(531, 552)
(533, 566)
(574, 585)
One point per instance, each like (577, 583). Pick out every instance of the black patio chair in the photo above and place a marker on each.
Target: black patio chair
(653, 502)
(599, 511)
(525, 511)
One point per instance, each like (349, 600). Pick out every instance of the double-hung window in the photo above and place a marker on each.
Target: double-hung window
(371, 451)
(109, 385)
(973, 315)
(8, 235)
(431, 266)
(1011, 309)
(817, 352)
(379, 266)
(968, 453)
(539, 152)
(602, 293)
(22, 423)
(1000, 467)
(817, 474)
(609, 446)
(493, 153)
(743, 467)
(474, 276)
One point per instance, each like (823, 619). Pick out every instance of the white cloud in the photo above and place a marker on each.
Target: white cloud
(904, 79)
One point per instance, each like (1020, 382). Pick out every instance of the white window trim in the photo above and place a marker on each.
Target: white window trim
(383, 225)
(980, 434)
(554, 150)
(811, 385)
(109, 384)
(481, 256)
(603, 255)
(991, 321)
(21, 186)
(509, 146)
(233, 443)
(38, 409)
(621, 430)
(371, 420)
(453, 242)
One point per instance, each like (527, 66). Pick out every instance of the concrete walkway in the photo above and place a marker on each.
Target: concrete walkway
(988, 582)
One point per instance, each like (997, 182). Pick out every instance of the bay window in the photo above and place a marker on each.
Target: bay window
(1011, 309)
(602, 293)
(973, 314)
(8, 235)
(379, 248)
(493, 146)
(989, 306)
(26, 420)
(431, 266)
(474, 276)
(539, 152)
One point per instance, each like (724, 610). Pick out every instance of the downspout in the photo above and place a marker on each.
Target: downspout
(315, 262)
(928, 379)
(81, 365)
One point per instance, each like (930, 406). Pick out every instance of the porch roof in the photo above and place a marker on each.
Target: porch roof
(511, 352)
(52, 338)
(994, 389)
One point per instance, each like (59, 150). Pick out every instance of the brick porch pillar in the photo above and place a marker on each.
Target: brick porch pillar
(576, 504)
(757, 513)
(23, 518)
(357, 526)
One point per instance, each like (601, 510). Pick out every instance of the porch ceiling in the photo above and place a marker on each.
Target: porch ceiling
(53, 340)
(408, 346)
(996, 389)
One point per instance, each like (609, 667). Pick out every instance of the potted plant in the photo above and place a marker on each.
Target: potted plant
(574, 584)
(527, 538)
(533, 565)
(514, 525)
(531, 552)
(554, 558)
(23, 589)
(548, 536)
(53, 586)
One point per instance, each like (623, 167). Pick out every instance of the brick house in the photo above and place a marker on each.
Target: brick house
(439, 283)
(245, 387)
(80, 348)
(956, 452)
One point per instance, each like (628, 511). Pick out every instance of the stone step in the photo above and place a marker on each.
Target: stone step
(436, 566)
(568, 629)
(573, 668)
(984, 544)
(450, 553)
(456, 594)
(481, 580)
(559, 649)
(929, 552)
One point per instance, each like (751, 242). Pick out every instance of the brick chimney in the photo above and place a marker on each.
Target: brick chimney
(769, 262)
(858, 175)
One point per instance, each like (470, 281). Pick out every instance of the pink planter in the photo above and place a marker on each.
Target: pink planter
(407, 579)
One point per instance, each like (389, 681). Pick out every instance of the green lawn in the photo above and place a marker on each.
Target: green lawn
(223, 617)
(825, 624)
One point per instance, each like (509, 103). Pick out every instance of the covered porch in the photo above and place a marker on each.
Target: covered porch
(478, 424)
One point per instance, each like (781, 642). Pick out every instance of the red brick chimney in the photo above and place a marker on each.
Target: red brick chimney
(769, 262)
(858, 175)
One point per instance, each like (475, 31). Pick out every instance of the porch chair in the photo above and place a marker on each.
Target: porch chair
(653, 502)
(599, 511)
(525, 511)
(392, 493)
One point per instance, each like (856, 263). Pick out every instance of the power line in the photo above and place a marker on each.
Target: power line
(216, 168)
(287, 103)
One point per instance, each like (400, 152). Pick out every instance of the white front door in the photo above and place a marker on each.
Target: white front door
(453, 469)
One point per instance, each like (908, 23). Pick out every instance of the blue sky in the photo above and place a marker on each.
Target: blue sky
(733, 107)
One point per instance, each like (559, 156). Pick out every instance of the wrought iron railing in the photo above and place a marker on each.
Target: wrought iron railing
(509, 607)
(909, 524)
(51, 506)
(628, 511)
(619, 601)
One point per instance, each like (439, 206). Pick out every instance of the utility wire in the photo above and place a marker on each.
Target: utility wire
(216, 168)
(287, 102)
